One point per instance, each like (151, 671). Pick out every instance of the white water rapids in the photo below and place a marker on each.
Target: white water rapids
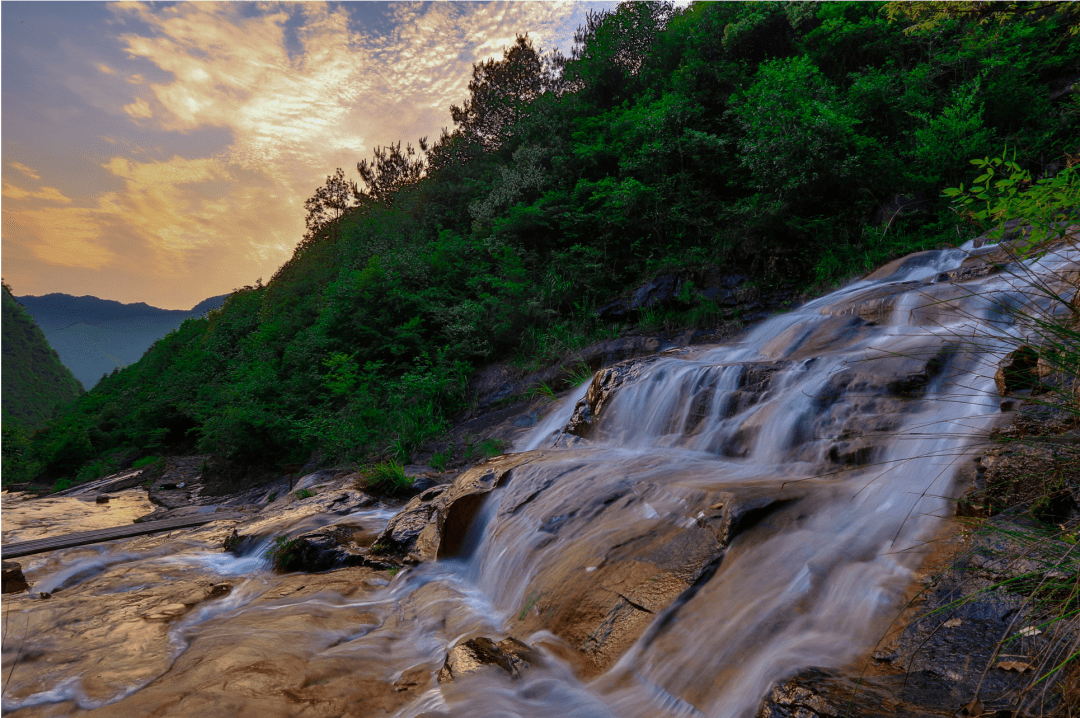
(851, 414)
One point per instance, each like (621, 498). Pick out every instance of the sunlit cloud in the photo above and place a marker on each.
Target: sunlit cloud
(49, 194)
(293, 91)
(25, 170)
(139, 109)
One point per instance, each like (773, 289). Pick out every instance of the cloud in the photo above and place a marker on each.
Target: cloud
(139, 109)
(49, 194)
(295, 90)
(25, 170)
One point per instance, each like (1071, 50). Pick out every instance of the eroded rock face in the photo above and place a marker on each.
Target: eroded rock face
(603, 387)
(433, 524)
(509, 655)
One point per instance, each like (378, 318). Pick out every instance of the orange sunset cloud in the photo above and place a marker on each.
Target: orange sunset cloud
(183, 140)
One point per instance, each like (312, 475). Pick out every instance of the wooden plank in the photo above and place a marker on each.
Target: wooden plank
(26, 548)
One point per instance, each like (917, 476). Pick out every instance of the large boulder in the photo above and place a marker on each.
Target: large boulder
(434, 523)
(13, 579)
(602, 388)
(328, 548)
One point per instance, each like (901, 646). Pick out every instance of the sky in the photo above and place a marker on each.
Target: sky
(162, 152)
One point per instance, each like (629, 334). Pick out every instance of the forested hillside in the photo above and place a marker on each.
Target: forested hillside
(799, 143)
(34, 380)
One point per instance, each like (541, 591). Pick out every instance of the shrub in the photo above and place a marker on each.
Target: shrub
(439, 460)
(1006, 192)
(146, 461)
(387, 477)
(305, 494)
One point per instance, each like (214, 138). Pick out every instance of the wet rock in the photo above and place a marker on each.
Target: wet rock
(316, 478)
(219, 589)
(910, 261)
(401, 533)
(1016, 475)
(975, 267)
(730, 515)
(1017, 371)
(116, 482)
(434, 523)
(876, 305)
(948, 659)
(602, 388)
(816, 693)
(614, 351)
(509, 655)
(167, 612)
(328, 548)
(754, 382)
(102, 499)
(914, 383)
(169, 498)
(600, 599)
(13, 580)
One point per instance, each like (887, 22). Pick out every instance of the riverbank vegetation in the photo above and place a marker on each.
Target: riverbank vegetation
(791, 142)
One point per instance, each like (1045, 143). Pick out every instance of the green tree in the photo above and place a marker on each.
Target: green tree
(797, 130)
(390, 170)
(500, 92)
(330, 202)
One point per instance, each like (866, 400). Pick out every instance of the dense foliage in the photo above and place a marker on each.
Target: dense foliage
(35, 382)
(790, 140)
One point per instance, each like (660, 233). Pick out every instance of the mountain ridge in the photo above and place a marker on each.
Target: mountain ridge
(95, 336)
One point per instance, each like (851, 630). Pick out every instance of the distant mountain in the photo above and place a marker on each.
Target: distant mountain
(34, 379)
(94, 336)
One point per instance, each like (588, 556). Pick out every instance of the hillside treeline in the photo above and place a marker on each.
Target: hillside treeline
(34, 380)
(796, 142)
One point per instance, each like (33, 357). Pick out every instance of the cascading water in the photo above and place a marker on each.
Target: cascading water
(723, 518)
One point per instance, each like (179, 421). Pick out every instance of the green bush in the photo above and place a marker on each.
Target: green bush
(387, 477)
(1005, 191)
(146, 461)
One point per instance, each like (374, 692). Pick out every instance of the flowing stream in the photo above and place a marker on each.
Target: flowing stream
(838, 429)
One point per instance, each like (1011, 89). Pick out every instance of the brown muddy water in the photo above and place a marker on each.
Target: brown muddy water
(838, 428)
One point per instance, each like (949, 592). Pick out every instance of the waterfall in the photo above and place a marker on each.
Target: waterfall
(691, 529)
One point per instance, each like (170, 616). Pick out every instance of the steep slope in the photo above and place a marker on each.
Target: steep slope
(34, 379)
(95, 336)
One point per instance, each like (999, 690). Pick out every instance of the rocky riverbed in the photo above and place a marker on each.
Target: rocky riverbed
(722, 531)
